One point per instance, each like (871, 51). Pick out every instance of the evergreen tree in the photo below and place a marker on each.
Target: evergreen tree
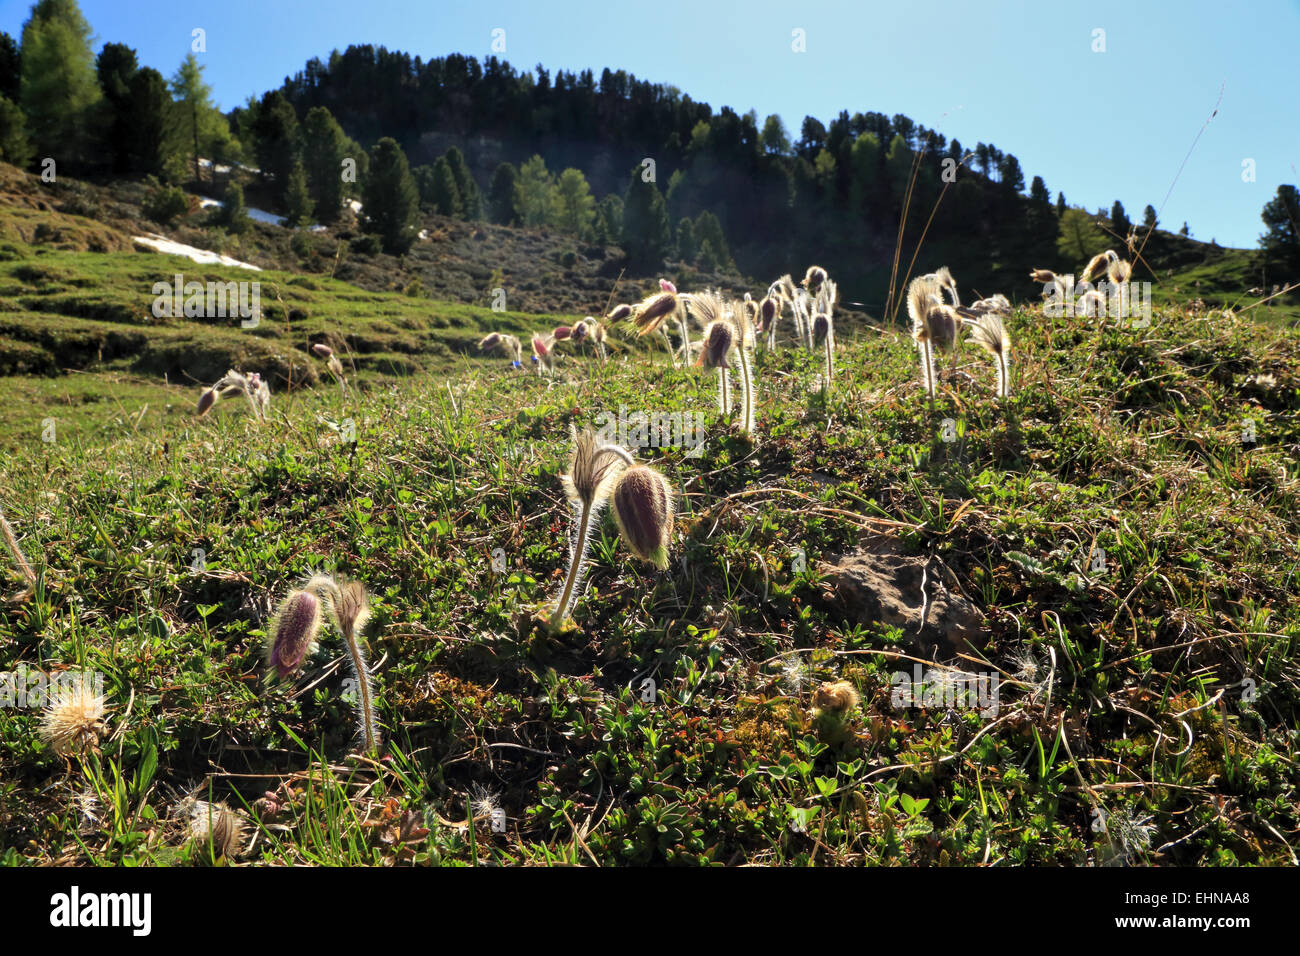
(1281, 214)
(646, 231)
(274, 126)
(538, 200)
(1149, 217)
(1060, 205)
(234, 214)
(709, 258)
(147, 122)
(1120, 223)
(1041, 217)
(898, 166)
(1039, 193)
(1079, 238)
(687, 247)
(10, 68)
(444, 197)
(115, 67)
(470, 200)
(775, 140)
(609, 219)
(391, 204)
(297, 200)
(1184, 231)
(59, 93)
(1010, 175)
(423, 176)
(15, 148)
(708, 231)
(503, 195)
(577, 206)
(324, 148)
(199, 127)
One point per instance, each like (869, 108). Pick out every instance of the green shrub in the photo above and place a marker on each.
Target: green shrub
(365, 245)
(166, 204)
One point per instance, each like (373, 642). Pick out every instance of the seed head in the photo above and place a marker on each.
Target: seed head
(217, 824)
(620, 313)
(719, 339)
(653, 311)
(837, 697)
(815, 277)
(821, 326)
(591, 467)
(291, 635)
(643, 509)
(206, 401)
(74, 720)
(350, 608)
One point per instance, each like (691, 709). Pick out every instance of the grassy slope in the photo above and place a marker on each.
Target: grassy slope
(77, 330)
(1125, 440)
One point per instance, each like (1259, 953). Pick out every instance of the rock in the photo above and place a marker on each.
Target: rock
(881, 582)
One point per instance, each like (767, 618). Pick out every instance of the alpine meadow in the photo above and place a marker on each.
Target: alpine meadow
(432, 462)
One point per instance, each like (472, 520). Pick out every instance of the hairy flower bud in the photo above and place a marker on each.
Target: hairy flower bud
(291, 635)
(642, 502)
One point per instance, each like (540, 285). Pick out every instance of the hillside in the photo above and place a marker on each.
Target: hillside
(1148, 702)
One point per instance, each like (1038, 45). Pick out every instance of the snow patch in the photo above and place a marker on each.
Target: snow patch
(202, 256)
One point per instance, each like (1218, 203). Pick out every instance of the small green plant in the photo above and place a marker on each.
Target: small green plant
(166, 204)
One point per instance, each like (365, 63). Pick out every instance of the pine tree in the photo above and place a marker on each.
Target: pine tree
(444, 196)
(297, 200)
(1149, 217)
(709, 230)
(391, 204)
(1079, 238)
(274, 127)
(11, 66)
(234, 214)
(15, 147)
(646, 231)
(59, 93)
(1120, 223)
(1281, 214)
(503, 198)
(775, 140)
(470, 200)
(687, 247)
(1060, 205)
(538, 200)
(324, 148)
(115, 67)
(423, 176)
(609, 219)
(196, 121)
(576, 204)
(147, 122)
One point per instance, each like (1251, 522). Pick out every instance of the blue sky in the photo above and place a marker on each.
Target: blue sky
(1097, 125)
